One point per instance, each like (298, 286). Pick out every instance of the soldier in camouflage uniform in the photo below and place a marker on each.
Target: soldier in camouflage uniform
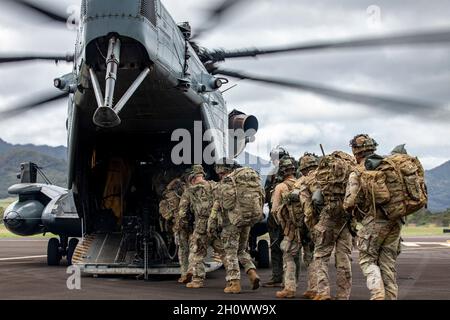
(290, 245)
(307, 164)
(235, 240)
(169, 209)
(275, 232)
(379, 238)
(199, 199)
(327, 220)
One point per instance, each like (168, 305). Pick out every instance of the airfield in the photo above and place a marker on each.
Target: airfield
(423, 273)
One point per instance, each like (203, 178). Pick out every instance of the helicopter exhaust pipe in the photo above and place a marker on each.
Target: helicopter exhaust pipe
(105, 116)
(243, 129)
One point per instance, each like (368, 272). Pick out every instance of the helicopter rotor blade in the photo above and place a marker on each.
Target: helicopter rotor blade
(388, 103)
(423, 38)
(30, 57)
(35, 103)
(215, 15)
(41, 10)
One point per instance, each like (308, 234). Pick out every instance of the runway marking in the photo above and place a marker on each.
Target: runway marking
(420, 244)
(21, 258)
(410, 244)
(23, 240)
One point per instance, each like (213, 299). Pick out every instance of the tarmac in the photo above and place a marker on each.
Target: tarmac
(423, 274)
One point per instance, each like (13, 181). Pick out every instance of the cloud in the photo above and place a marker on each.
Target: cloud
(299, 120)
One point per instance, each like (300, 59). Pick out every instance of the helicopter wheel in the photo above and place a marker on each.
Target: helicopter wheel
(53, 252)
(71, 249)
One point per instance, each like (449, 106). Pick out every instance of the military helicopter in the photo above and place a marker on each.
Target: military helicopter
(137, 77)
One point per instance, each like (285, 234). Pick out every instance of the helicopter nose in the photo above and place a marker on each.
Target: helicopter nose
(13, 220)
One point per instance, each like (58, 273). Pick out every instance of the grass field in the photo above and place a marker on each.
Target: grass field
(6, 202)
(423, 231)
(431, 230)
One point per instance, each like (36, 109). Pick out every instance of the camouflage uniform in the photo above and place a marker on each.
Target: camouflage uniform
(235, 240)
(275, 232)
(379, 239)
(330, 233)
(378, 245)
(307, 164)
(198, 198)
(169, 207)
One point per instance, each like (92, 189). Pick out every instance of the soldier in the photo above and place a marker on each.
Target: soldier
(275, 232)
(290, 245)
(307, 164)
(168, 208)
(198, 198)
(235, 238)
(328, 222)
(379, 238)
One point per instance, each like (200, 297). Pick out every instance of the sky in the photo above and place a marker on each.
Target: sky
(297, 120)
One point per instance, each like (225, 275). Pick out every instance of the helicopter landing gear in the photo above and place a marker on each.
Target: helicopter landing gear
(71, 249)
(54, 255)
(57, 249)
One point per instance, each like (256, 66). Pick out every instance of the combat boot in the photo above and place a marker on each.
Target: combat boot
(185, 278)
(321, 297)
(254, 278)
(195, 284)
(309, 294)
(273, 284)
(234, 287)
(285, 294)
(378, 296)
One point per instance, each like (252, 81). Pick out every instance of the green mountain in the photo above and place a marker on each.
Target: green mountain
(52, 160)
(438, 183)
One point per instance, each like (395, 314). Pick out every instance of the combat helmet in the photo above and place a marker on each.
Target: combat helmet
(363, 143)
(286, 166)
(224, 166)
(278, 153)
(308, 160)
(197, 169)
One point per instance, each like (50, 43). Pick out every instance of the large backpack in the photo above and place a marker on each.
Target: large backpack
(333, 173)
(243, 197)
(168, 206)
(405, 180)
(396, 184)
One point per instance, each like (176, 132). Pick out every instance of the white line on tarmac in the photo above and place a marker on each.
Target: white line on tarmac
(21, 258)
(410, 244)
(418, 244)
(23, 240)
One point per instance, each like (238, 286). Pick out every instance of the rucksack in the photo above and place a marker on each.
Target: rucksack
(332, 175)
(168, 206)
(243, 197)
(404, 178)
